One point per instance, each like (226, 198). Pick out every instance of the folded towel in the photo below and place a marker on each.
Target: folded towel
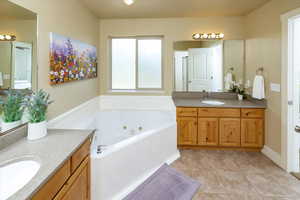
(228, 81)
(258, 91)
(1, 79)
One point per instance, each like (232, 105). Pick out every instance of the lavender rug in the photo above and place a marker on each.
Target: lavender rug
(165, 184)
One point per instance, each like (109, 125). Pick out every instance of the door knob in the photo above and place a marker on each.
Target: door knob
(297, 129)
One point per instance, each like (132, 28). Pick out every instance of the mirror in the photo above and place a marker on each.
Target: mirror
(18, 47)
(208, 65)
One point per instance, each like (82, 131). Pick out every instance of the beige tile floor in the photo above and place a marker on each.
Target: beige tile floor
(234, 175)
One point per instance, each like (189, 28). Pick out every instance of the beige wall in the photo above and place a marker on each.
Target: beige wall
(69, 18)
(25, 31)
(263, 49)
(174, 29)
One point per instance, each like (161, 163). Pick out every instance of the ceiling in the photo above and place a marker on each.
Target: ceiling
(13, 11)
(171, 8)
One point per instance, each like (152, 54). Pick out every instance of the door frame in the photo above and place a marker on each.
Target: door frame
(289, 148)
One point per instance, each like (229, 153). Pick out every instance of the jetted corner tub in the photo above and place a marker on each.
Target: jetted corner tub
(128, 147)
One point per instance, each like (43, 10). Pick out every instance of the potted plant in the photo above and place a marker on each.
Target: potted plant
(12, 109)
(37, 105)
(239, 89)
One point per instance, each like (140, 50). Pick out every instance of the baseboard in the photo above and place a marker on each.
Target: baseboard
(133, 186)
(274, 156)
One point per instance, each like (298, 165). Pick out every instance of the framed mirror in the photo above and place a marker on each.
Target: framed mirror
(208, 65)
(18, 52)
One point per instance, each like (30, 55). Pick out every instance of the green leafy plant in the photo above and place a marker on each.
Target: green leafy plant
(11, 106)
(237, 88)
(37, 105)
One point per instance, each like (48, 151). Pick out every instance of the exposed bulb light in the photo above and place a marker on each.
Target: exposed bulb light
(6, 37)
(129, 2)
(197, 36)
(208, 36)
(221, 35)
(205, 36)
(213, 36)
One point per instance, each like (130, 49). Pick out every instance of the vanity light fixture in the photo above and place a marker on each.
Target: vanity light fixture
(129, 2)
(209, 36)
(5, 37)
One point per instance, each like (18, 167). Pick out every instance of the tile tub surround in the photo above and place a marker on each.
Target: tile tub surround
(235, 175)
(194, 99)
(50, 152)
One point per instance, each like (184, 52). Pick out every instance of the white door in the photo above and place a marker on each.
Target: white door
(294, 93)
(22, 65)
(199, 69)
(180, 70)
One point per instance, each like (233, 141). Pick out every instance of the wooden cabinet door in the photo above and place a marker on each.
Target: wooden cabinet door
(230, 132)
(78, 186)
(208, 131)
(252, 132)
(187, 131)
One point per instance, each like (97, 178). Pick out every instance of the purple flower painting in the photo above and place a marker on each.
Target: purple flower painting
(71, 60)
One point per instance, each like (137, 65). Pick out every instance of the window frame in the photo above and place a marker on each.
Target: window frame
(137, 88)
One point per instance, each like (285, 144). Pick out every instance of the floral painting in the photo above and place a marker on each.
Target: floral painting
(71, 60)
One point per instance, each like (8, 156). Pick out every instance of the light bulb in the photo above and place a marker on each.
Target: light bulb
(196, 36)
(213, 35)
(8, 37)
(129, 2)
(221, 35)
(205, 35)
(2, 37)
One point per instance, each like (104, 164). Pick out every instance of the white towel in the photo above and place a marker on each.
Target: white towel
(258, 91)
(228, 81)
(1, 79)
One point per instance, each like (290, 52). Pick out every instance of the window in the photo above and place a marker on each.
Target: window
(136, 63)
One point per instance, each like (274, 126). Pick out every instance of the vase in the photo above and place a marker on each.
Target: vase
(37, 130)
(5, 126)
(240, 97)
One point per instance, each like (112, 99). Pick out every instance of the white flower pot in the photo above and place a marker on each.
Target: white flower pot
(37, 130)
(240, 97)
(5, 126)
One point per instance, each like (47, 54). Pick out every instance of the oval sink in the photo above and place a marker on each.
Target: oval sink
(213, 102)
(15, 175)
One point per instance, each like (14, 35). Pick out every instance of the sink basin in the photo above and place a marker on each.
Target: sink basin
(213, 102)
(15, 175)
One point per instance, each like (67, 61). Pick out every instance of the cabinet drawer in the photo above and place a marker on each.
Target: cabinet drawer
(52, 187)
(80, 155)
(187, 112)
(253, 113)
(219, 112)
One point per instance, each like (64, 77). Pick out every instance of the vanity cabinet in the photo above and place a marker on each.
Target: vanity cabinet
(208, 129)
(187, 130)
(220, 128)
(72, 180)
(230, 132)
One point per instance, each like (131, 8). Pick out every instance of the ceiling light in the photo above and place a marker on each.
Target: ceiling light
(129, 2)
(2, 37)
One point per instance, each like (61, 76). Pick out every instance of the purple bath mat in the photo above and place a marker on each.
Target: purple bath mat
(165, 184)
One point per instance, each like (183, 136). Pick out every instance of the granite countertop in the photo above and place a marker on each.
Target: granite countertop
(51, 152)
(228, 103)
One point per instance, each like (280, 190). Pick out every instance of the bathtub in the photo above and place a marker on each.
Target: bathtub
(128, 147)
